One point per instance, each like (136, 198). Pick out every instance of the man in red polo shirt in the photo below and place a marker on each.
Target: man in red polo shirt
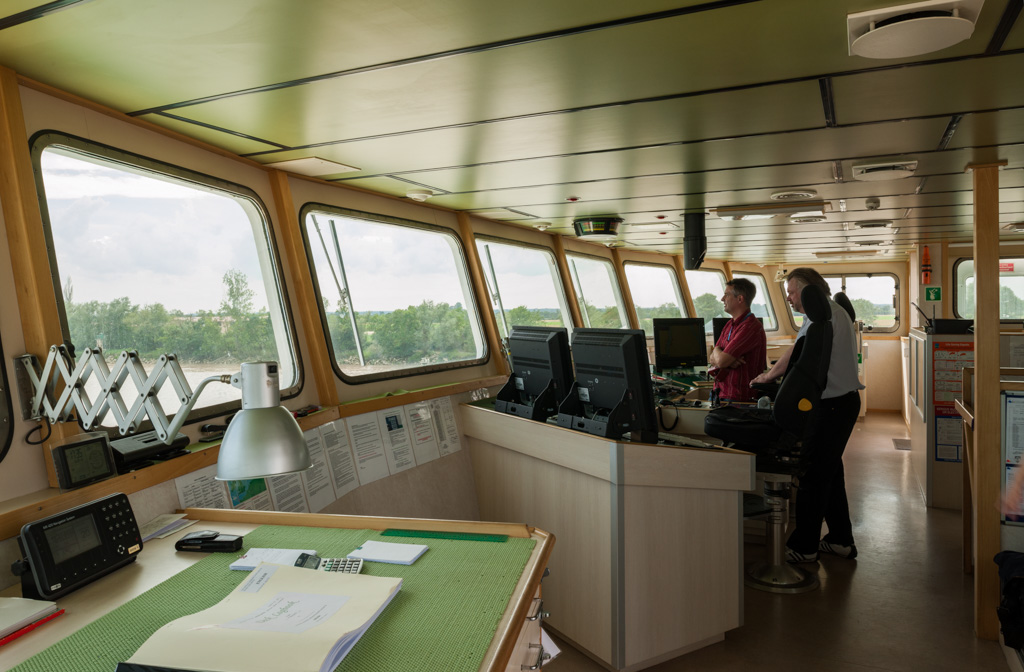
(740, 353)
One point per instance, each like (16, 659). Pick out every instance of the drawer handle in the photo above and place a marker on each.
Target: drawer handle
(541, 657)
(539, 613)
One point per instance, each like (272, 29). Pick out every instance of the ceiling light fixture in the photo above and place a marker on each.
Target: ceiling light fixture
(794, 195)
(874, 224)
(419, 194)
(1015, 227)
(541, 226)
(806, 218)
(846, 253)
(883, 169)
(911, 30)
(769, 210)
(312, 166)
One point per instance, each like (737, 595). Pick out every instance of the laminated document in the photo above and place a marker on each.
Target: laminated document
(383, 551)
(278, 618)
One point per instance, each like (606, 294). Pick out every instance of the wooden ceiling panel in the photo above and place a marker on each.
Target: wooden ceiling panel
(937, 89)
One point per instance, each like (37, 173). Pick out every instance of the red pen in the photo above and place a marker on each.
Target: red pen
(29, 628)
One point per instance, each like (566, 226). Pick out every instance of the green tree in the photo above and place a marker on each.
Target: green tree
(867, 312)
(708, 307)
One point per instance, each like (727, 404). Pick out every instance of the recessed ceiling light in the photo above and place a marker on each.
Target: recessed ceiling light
(874, 224)
(312, 166)
(794, 195)
(768, 210)
(883, 169)
(807, 218)
(1016, 227)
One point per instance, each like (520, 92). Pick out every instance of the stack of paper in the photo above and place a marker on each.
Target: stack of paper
(278, 618)
(277, 556)
(382, 551)
(17, 613)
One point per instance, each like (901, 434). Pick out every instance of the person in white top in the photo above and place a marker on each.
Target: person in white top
(822, 490)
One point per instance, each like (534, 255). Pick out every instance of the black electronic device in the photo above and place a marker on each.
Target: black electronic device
(85, 459)
(134, 452)
(66, 551)
(613, 394)
(718, 324)
(541, 372)
(209, 541)
(679, 343)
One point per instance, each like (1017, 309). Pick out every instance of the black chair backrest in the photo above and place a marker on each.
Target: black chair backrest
(807, 373)
(844, 302)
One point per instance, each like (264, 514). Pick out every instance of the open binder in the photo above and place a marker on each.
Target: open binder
(278, 618)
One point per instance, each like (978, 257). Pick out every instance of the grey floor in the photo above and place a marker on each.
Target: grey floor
(903, 605)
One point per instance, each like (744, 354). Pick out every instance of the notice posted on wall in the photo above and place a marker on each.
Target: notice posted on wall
(424, 436)
(447, 430)
(339, 457)
(368, 447)
(1013, 500)
(1013, 428)
(250, 495)
(317, 479)
(288, 494)
(397, 444)
(201, 489)
(948, 361)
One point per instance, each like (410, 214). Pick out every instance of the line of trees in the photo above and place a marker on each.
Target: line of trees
(238, 331)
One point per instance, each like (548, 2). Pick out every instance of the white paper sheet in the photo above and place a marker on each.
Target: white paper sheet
(339, 456)
(383, 551)
(288, 493)
(443, 415)
(424, 441)
(397, 445)
(368, 447)
(277, 556)
(317, 479)
(201, 489)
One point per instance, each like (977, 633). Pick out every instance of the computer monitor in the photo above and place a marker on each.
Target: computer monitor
(718, 323)
(612, 394)
(679, 343)
(541, 372)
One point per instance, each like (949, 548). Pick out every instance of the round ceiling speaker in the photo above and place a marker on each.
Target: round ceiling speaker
(597, 228)
(912, 34)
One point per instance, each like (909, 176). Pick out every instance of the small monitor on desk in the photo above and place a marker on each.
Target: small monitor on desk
(613, 394)
(541, 372)
(679, 343)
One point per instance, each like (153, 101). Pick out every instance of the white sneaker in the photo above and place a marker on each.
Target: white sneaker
(794, 557)
(848, 552)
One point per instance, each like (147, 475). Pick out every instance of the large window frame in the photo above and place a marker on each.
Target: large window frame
(762, 289)
(465, 279)
(708, 321)
(673, 283)
(613, 280)
(868, 329)
(958, 291)
(268, 256)
(498, 307)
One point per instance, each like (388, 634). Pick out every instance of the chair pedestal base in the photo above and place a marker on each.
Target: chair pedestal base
(776, 575)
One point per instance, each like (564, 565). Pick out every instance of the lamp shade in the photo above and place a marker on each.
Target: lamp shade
(263, 439)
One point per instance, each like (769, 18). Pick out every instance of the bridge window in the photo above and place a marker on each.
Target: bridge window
(524, 286)
(395, 295)
(655, 291)
(706, 290)
(762, 305)
(154, 258)
(597, 292)
(1011, 289)
(875, 297)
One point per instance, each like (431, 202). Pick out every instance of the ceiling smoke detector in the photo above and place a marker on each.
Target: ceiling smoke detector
(597, 228)
(883, 169)
(911, 30)
(794, 195)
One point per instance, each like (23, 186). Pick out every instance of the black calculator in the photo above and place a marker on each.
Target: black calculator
(343, 565)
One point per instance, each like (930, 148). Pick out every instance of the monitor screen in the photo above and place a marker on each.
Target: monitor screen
(613, 391)
(541, 372)
(679, 342)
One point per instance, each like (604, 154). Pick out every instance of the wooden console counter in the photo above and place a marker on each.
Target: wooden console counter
(650, 551)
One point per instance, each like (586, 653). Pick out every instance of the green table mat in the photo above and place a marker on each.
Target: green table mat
(443, 618)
